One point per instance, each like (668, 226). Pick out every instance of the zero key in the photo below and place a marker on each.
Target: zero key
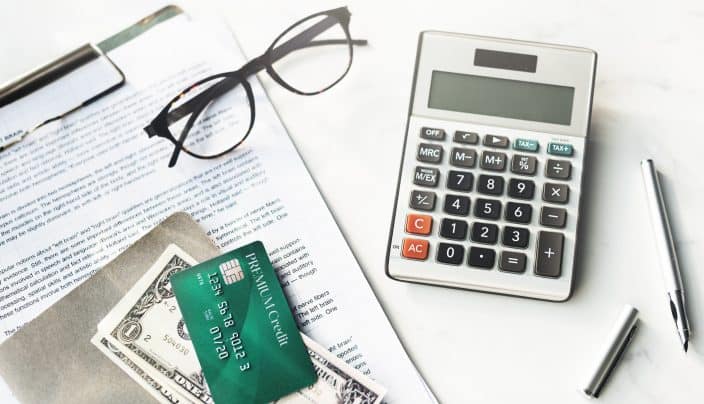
(548, 255)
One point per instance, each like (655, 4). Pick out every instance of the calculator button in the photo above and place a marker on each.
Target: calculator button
(455, 229)
(512, 261)
(515, 237)
(460, 180)
(494, 161)
(481, 257)
(429, 153)
(553, 217)
(487, 208)
(560, 149)
(548, 260)
(518, 212)
(456, 205)
(559, 169)
(557, 193)
(496, 141)
(450, 253)
(485, 232)
(427, 177)
(432, 133)
(526, 145)
(466, 137)
(490, 184)
(523, 164)
(415, 248)
(422, 200)
(521, 189)
(419, 224)
(463, 157)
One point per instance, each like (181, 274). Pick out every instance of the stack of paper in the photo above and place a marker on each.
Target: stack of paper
(74, 195)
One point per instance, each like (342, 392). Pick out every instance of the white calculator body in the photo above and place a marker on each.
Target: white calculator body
(491, 175)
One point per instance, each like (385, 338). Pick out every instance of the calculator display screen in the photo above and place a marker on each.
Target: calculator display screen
(501, 97)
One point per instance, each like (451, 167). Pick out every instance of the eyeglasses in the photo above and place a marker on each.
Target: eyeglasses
(196, 119)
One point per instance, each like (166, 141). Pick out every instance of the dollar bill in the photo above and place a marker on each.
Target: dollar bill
(144, 334)
(161, 392)
(146, 326)
(338, 382)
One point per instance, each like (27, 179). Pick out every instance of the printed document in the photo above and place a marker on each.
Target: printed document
(76, 193)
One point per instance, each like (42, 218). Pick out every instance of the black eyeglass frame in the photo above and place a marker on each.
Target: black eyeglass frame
(159, 126)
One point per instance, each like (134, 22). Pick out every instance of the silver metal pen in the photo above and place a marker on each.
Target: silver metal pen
(667, 256)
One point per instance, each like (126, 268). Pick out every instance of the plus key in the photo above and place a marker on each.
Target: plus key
(548, 255)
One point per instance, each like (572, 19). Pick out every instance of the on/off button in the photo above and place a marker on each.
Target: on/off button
(415, 249)
(419, 224)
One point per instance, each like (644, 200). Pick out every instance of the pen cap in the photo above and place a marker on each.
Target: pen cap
(612, 351)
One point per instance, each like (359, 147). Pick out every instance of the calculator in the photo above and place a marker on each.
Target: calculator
(491, 175)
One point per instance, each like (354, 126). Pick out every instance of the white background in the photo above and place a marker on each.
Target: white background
(474, 347)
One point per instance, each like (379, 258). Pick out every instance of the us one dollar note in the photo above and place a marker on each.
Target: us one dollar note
(161, 392)
(338, 382)
(144, 335)
(146, 326)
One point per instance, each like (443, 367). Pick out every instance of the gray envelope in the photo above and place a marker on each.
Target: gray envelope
(51, 359)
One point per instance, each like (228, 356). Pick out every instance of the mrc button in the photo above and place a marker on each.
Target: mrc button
(429, 153)
(432, 133)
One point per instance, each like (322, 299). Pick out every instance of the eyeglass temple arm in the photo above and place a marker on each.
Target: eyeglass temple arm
(302, 40)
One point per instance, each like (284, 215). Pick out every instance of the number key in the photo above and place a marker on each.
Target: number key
(450, 253)
(518, 212)
(460, 180)
(521, 189)
(515, 237)
(487, 208)
(456, 205)
(485, 232)
(490, 184)
(454, 229)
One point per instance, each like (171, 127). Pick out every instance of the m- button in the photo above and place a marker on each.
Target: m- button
(419, 224)
(415, 249)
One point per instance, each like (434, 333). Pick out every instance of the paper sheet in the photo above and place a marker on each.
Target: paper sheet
(75, 194)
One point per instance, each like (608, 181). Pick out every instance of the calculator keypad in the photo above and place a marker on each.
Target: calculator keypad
(484, 201)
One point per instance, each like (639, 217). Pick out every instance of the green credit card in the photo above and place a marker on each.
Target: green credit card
(242, 328)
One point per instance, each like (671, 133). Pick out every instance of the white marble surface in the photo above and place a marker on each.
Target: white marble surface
(474, 347)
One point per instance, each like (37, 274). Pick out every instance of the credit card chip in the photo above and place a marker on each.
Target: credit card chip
(231, 271)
